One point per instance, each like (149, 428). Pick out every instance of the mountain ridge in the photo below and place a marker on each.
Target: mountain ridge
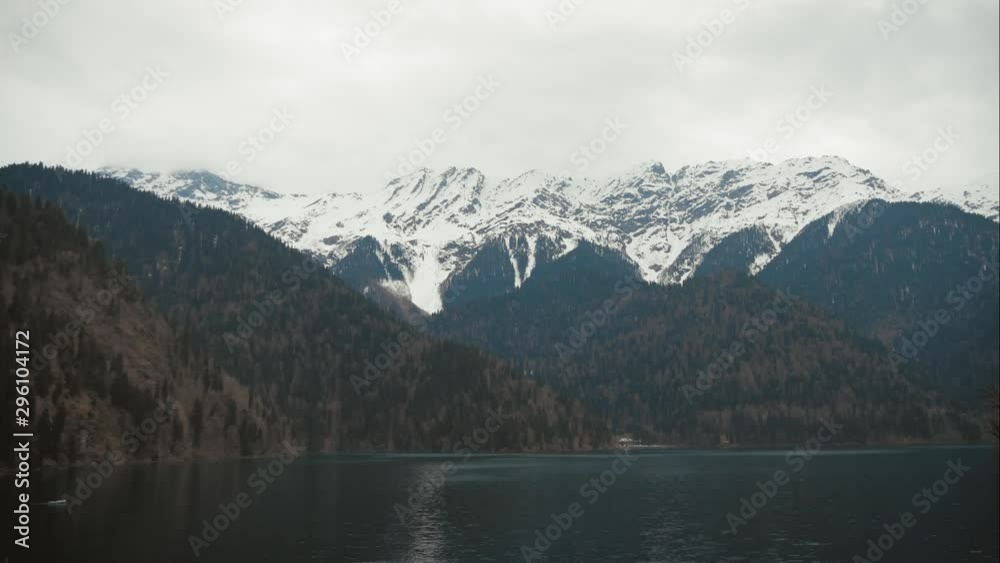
(423, 229)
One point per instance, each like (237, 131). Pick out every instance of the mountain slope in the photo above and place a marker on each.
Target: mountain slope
(347, 374)
(716, 360)
(887, 267)
(105, 361)
(205, 188)
(426, 228)
(746, 250)
(981, 196)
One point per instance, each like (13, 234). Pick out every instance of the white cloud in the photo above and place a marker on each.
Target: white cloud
(608, 59)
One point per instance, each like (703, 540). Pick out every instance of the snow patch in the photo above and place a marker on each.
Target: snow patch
(426, 280)
(533, 252)
(512, 255)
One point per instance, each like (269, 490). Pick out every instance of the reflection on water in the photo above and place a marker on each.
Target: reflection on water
(668, 506)
(426, 517)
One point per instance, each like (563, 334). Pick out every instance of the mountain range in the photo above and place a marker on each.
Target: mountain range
(433, 238)
(564, 328)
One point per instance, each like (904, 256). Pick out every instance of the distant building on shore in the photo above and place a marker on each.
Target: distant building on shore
(627, 441)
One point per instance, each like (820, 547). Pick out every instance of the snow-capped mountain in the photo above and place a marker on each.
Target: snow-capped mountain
(205, 188)
(669, 221)
(435, 238)
(981, 196)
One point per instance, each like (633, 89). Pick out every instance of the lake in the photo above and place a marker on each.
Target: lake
(644, 505)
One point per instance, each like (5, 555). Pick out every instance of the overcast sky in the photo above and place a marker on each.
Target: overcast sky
(354, 110)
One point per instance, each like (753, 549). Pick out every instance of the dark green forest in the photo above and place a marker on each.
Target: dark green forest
(251, 342)
(633, 353)
(295, 337)
(888, 269)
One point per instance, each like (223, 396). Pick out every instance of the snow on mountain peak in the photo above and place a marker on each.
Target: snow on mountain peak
(980, 196)
(207, 188)
(427, 225)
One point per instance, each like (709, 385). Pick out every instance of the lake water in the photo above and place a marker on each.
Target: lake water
(661, 506)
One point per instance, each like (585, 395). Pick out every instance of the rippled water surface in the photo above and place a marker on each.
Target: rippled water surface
(662, 506)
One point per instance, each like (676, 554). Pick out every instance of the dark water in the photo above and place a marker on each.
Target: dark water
(666, 506)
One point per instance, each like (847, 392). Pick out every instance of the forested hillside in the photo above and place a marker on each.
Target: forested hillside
(104, 362)
(721, 359)
(343, 373)
(919, 277)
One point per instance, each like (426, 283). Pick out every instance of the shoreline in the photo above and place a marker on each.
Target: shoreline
(658, 448)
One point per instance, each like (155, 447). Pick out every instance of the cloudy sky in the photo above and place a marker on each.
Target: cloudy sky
(501, 85)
